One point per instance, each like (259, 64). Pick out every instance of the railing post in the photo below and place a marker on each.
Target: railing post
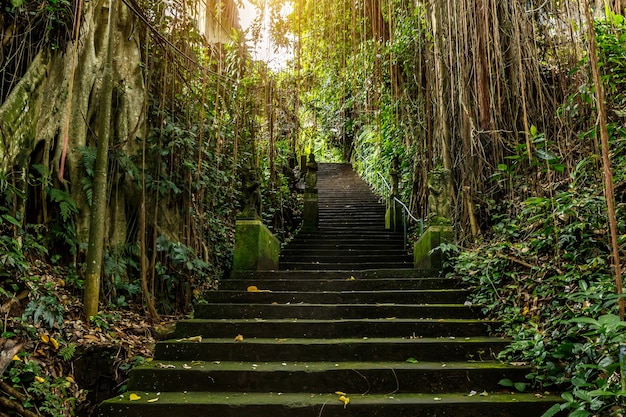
(310, 216)
(439, 229)
(256, 248)
(394, 209)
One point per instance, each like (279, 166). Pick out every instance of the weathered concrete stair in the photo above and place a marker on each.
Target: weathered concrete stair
(351, 233)
(397, 341)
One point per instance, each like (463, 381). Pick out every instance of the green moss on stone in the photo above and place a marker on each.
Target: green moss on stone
(256, 248)
(423, 255)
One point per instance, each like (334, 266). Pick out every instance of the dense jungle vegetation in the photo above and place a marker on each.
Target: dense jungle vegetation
(523, 101)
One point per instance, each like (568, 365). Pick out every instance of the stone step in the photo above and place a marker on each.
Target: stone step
(340, 232)
(406, 273)
(237, 404)
(310, 349)
(315, 377)
(338, 328)
(347, 283)
(344, 253)
(433, 296)
(335, 311)
(329, 244)
(348, 256)
(319, 266)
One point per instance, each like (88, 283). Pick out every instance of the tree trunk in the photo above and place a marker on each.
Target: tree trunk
(99, 202)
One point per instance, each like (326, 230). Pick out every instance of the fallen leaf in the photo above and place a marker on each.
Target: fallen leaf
(351, 278)
(253, 288)
(345, 400)
(340, 393)
(239, 338)
(40, 379)
(166, 366)
(54, 343)
(196, 339)
(69, 378)
(16, 358)
(134, 397)
(153, 400)
(45, 338)
(185, 366)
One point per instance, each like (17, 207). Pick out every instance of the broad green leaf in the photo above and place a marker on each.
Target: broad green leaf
(506, 382)
(520, 386)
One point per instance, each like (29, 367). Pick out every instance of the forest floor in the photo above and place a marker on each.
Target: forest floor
(54, 362)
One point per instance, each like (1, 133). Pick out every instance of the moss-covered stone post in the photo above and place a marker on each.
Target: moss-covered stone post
(439, 228)
(394, 215)
(310, 216)
(256, 248)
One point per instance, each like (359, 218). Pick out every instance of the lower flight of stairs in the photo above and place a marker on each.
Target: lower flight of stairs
(394, 342)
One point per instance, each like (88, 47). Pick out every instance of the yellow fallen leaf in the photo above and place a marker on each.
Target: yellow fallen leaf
(54, 343)
(134, 397)
(239, 338)
(153, 400)
(345, 400)
(340, 393)
(39, 379)
(16, 358)
(253, 288)
(351, 278)
(45, 338)
(69, 378)
(190, 339)
(149, 360)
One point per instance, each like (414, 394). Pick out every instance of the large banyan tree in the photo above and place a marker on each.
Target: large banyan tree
(177, 109)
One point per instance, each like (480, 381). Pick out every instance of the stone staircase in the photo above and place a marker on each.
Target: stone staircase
(345, 317)
(351, 234)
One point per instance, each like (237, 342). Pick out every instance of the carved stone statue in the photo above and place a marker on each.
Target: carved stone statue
(311, 174)
(438, 198)
(393, 175)
(251, 194)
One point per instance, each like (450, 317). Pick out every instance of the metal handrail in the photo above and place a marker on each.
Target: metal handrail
(405, 211)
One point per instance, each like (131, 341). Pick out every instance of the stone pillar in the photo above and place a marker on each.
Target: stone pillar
(256, 248)
(394, 214)
(424, 257)
(310, 216)
(439, 229)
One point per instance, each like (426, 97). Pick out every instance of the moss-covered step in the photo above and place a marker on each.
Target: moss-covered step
(300, 328)
(335, 311)
(350, 256)
(233, 404)
(347, 283)
(432, 296)
(329, 266)
(338, 274)
(363, 349)
(358, 377)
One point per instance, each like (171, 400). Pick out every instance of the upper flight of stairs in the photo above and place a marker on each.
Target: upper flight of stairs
(396, 341)
(351, 232)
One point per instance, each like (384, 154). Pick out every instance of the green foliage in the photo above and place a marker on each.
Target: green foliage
(45, 394)
(545, 274)
(103, 320)
(68, 351)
